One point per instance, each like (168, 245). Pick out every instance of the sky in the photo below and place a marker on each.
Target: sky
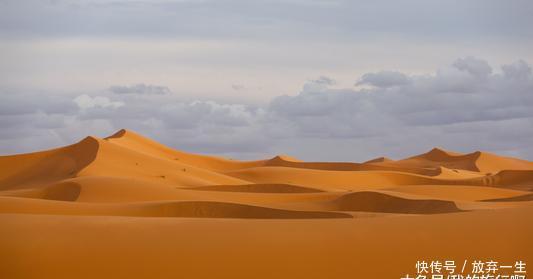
(318, 80)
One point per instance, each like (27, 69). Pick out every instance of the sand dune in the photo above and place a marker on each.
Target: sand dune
(482, 162)
(138, 143)
(126, 206)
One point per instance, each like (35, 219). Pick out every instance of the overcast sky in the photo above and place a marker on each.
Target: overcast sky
(319, 80)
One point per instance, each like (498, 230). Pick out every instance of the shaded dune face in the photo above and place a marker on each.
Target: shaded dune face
(380, 202)
(228, 210)
(526, 197)
(67, 191)
(189, 209)
(514, 177)
(258, 188)
(127, 174)
(63, 191)
(21, 171)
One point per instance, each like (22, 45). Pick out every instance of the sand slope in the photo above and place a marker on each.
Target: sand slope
(126, 206)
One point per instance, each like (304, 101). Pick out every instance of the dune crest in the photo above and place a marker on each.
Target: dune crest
(134, 141)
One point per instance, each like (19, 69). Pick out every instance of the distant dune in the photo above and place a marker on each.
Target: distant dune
(126, 206)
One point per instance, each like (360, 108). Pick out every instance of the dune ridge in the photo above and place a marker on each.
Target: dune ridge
(139, 169)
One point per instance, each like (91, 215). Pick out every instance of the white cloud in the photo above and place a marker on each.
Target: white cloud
(86, 102)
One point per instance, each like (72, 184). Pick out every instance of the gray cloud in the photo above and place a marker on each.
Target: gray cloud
(475, 67)
(324, 80)
(519, 70)
(15, 103)
(384, 79)
(465, 106)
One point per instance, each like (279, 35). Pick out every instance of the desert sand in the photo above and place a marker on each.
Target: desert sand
(128, 207)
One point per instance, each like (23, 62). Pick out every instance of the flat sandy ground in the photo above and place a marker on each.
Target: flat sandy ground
(128, 207)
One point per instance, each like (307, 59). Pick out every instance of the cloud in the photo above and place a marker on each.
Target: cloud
(419, 111)
(465, 106)
(383, 79)
(140, 88)
(476, 67)
(203, 113)
(87, 102)
(317, 85)
(518, 70)
(324, 80)
(16, 103)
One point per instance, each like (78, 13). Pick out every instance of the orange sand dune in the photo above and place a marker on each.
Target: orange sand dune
(133, 141)
(483, 162)
(126, 206)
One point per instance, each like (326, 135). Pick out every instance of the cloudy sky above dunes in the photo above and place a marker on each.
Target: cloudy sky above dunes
(320, 80)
